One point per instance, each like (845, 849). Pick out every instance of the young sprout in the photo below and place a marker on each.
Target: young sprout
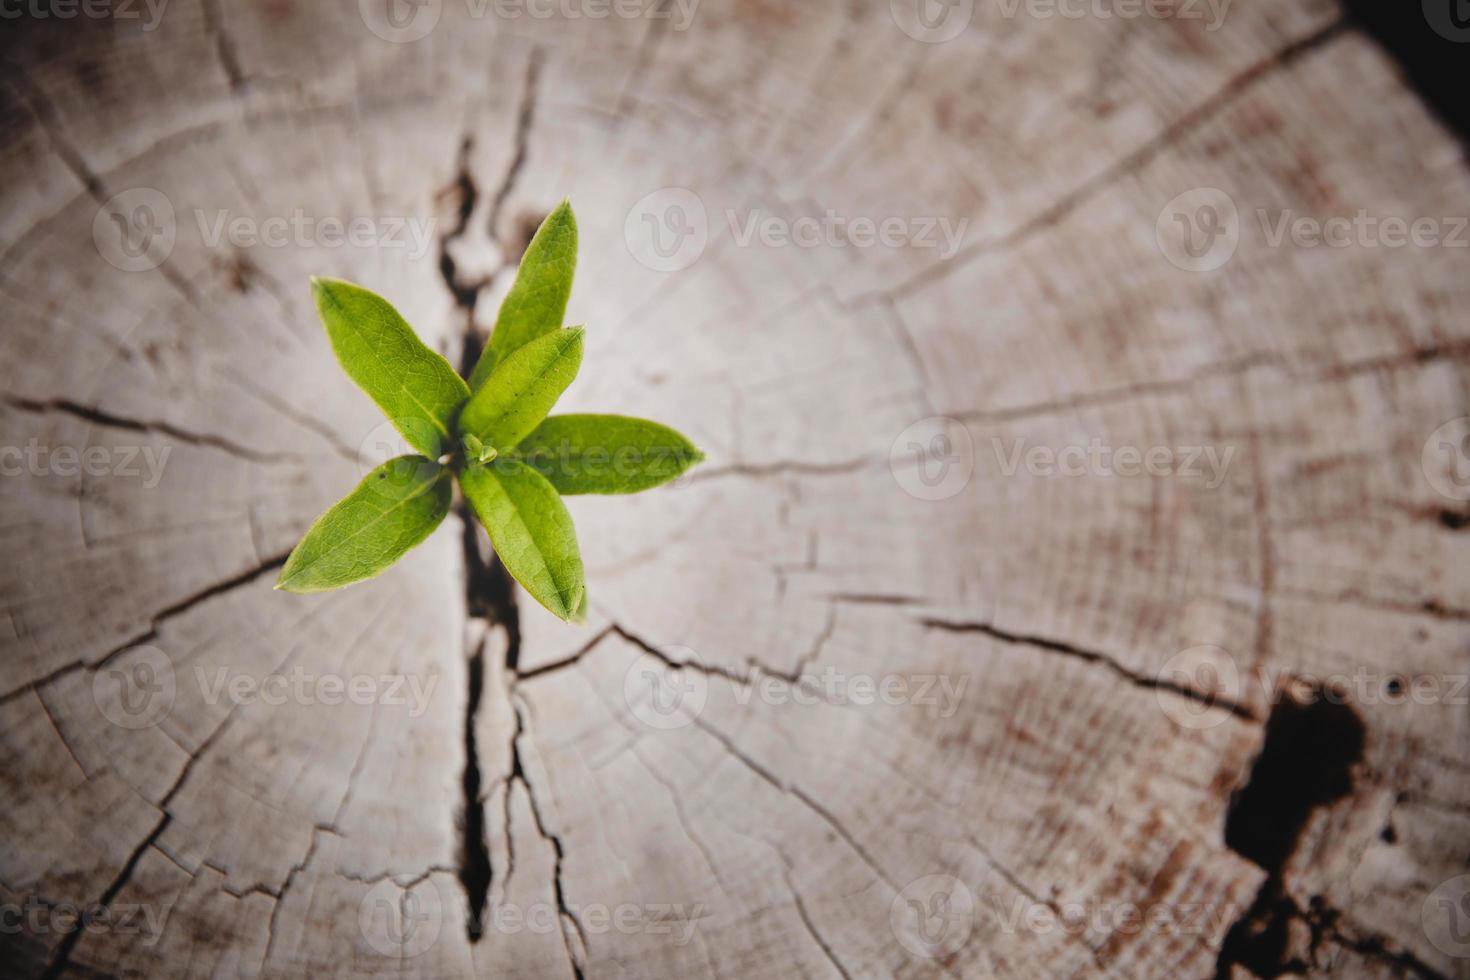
(494, 434)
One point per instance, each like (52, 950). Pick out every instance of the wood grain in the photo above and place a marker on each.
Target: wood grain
(1037, 745)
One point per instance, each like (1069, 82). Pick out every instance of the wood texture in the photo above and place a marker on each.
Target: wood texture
(762, 834)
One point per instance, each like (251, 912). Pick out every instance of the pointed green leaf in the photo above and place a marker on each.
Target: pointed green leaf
(606, 453)
(394, 508)
(522, 390)
(413, 385)
(537, 302)
(532, 532)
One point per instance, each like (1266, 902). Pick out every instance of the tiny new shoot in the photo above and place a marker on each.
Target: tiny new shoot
(492, 433)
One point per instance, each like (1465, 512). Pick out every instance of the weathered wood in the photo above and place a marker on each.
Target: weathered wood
(1071, 762)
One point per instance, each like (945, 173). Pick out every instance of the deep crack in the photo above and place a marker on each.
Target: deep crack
(97, 416)
(475, 872)
(468, 193)
(489, 588)
(1208, 699)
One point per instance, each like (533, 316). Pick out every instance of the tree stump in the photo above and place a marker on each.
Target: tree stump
(918, 675)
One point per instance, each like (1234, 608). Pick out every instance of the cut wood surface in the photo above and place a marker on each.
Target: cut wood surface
(839, 711)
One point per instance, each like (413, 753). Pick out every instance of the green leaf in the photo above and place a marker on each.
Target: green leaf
(532, 532)
(394, 508)
(523, 389)
(413, 385)
(606, 453)
(537, 302)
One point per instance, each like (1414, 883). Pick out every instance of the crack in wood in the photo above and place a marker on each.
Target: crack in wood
(568, 661)
(69, 941)
(475, 871)
(811, 804)
(97, 416)
(806, 920)
(489, 588)
(286, 884)
(518, 774)
(155, 622)
(1208, 700)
